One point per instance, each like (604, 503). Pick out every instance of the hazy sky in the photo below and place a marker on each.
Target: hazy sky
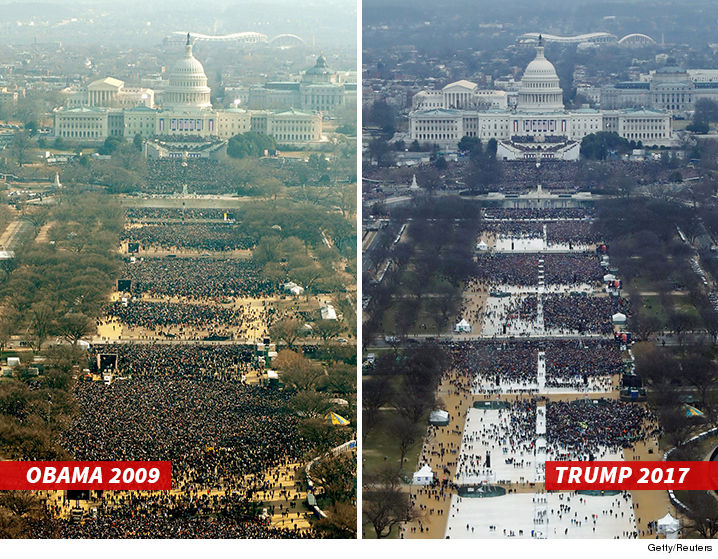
(85, 21)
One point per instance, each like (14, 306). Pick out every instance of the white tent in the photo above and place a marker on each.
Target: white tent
(462, 326)
(619, 318)
(293, 288)
(425, 476)
(482, 246)
(328, 313)
(609, 277)
(439, 417)
(669, 526)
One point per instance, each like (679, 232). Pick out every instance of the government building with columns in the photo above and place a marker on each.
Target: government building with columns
(538, 127)
(106, 108)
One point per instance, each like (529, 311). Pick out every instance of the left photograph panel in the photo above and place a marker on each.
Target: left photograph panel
(178, 270)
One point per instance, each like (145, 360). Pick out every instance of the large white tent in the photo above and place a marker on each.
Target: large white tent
(462, 326)
(439, 417)
(425, 476)
(619, 318)
(669, 526)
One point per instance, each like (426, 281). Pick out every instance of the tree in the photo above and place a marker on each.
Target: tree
(340, 522)
(327, 329)
(336, 476)
(75, 326)
(380, 151)
(42, 319)
(657, 366)
(250, 144)
(700, 371)
(111, 145)
(297, 371)
(319, 434)
(19, 146)
(286, 330)
(601, 144)
(698, 127)
(341, 379)
(681, 322)
(8, 323)
(702, 514)
(404, 432)
(706, 110)
(385, 504)
(270, 188)
(375, 393)
(17, 508)
(644, 325)
(383, 115)
(138, 142)
(310, 403)
(469, 143)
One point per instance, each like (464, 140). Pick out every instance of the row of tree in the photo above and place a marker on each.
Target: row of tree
(397, 395)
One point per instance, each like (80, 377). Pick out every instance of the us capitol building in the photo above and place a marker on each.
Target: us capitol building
(539, 127)
(107, 108)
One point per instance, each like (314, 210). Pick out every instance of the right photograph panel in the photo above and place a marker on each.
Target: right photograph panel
(539, 270)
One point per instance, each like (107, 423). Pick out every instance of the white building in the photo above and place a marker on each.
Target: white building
(460, 95)
(110, 92)
(107, 108)
(539, 116)
(319, 89)
(669, 88)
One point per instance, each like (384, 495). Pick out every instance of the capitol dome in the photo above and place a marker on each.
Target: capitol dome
(539, 88)
(188, 82)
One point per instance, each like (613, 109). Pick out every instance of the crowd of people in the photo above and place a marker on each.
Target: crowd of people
(221, 436)
(523, 269)
(568, 233)
(198, 277)
(572, 361)
(199, 236)
(177, 360)
(572, 269)
(537, 213)
(515, 229)
(180, 318)
(167, 214)
(568, 361)
(493, 363)
(167, 176)
(213, 431)
(571, 233)
(570, 314)
(176, 516)
(508, 269)
(580, 428)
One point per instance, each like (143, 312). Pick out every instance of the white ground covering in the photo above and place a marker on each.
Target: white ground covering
(496, 311)
(494, 319)
(489, 431)
(541, 512)
(536, 244)
(504, 244)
